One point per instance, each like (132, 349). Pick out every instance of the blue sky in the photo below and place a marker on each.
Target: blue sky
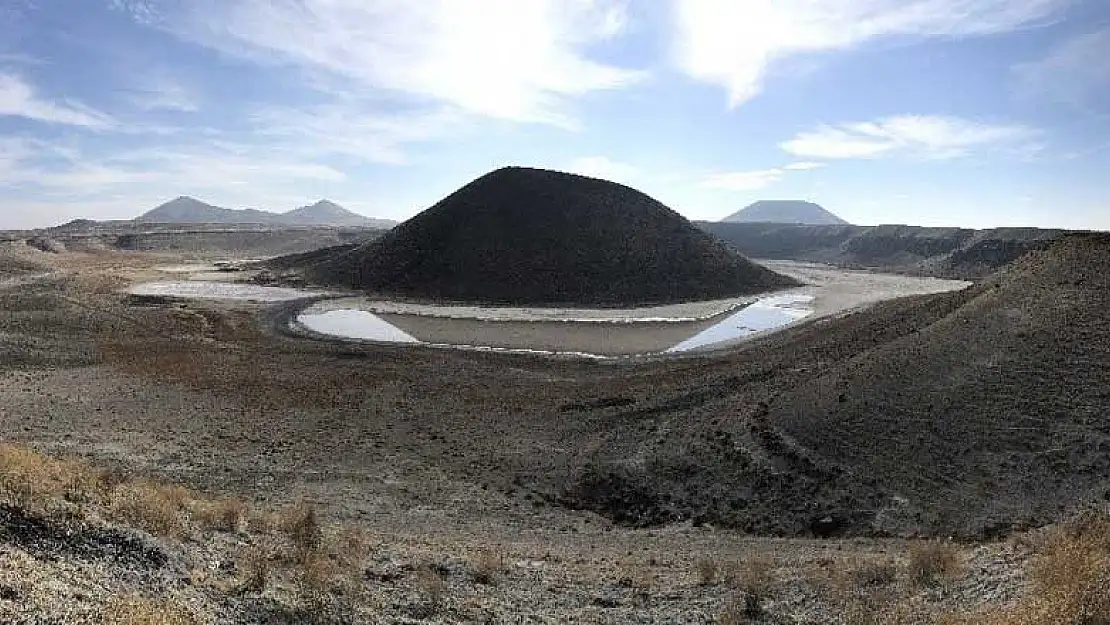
(933, 112)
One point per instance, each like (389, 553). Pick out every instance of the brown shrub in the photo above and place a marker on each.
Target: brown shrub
(156, 508)
(301, 527)
(143, 611)
(860, 575)
(740, 609)
(432, 588)
(1072, 576)
(255, 565)
(356, 544)
(315, 576)
(29, 479)
(752, 579)
(221, 515)
(932, 561)
(755, 576)
(488, 568)
(707, 572)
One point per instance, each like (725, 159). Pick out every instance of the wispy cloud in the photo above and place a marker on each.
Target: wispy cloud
(914, 136)
(504, 59)
(734, 44)
(19, 99)
(1075, 72)
(350, 129)
(743, 180)
(161, 92)
(60, 171)
(804, 166)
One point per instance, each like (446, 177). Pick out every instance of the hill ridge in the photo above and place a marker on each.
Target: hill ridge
(185, 209)
(531, 236)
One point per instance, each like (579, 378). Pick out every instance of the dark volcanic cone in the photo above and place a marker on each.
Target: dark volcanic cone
(530, 236)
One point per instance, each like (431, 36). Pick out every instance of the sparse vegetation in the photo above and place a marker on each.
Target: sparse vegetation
(707, 572)
(223, 515)
(138, 610)
(156, 508)
(488, 568)
(931, 562)
(255, 566)
(432, 588)
(751, 579)
(301, 527)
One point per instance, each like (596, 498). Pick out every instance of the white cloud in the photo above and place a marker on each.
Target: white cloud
(743, 180)
(733, 44)
(62, 172)
(160, 92)
(349, 129)
(915, 136)
(804, 166)
(504, 59)
(605, 168)
(18, 99)
(1075, 72)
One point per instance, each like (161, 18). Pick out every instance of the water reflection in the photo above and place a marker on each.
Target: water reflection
(766, 314)
(354, 324)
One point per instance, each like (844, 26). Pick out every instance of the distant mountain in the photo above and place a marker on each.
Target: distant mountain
(189, 210)
(786, 212)
(332, 214)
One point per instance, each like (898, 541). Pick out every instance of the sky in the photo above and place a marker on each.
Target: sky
(975, 113)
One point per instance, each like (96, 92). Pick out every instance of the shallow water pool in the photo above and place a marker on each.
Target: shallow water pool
(766, 314)
(355, 324)
(575, 338)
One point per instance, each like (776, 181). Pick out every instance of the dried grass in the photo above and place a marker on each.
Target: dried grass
(488, 568)
(28, 479)
(150, 506)
(143, 611)
(931, 562)
(707, 572)
(301, 526)
(221, 515)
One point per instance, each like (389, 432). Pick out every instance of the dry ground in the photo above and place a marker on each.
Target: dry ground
(447, 461)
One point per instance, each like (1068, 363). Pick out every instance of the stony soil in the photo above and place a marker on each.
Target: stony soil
(555, 464)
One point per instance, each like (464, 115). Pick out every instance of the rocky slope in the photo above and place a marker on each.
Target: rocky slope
(530, 236)
(964, 413)
(234, 240)
(941, 252)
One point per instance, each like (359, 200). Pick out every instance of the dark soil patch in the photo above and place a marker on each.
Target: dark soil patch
(49, 539)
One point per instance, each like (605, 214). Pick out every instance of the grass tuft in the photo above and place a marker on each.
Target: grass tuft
(707, 572)
(930, 562)
(488, 568)
(301, 526)
(143, 611)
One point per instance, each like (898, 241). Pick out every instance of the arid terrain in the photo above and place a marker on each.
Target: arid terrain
(808, 476)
